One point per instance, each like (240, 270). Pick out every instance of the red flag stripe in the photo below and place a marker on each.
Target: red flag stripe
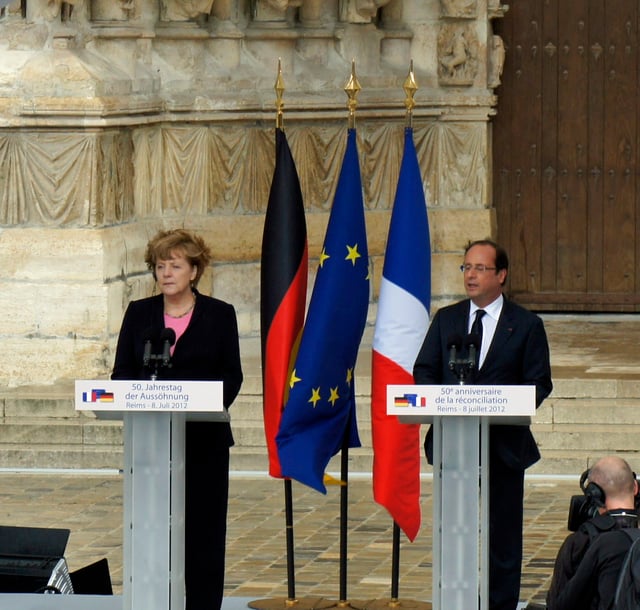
(397, 482)
(280, 351)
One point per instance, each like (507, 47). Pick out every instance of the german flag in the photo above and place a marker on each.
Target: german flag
(283, 290)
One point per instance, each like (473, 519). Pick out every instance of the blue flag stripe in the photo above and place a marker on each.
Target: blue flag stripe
(408, 263)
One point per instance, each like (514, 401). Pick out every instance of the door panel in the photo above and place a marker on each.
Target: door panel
(565, 143)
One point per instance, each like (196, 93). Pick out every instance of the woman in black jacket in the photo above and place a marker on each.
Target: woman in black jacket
(206, 349)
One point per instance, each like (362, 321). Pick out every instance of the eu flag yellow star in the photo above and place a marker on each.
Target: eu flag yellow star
(293, 379)
(353, 254)
(315, 396)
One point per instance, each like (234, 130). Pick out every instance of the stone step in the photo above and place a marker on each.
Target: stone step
(596, 438)
(14, 455)
(81, 431)
(581, 420)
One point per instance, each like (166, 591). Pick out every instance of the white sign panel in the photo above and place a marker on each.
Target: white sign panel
(132, 396)
(461, 400)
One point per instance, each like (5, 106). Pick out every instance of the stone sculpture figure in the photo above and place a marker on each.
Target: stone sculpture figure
(496, 61)
(184, 10)
(360, 11)
(457, 55)
(459, 8)
(52, 9)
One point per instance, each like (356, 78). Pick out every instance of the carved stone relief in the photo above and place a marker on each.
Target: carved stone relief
(461, 9)
(92, 185)
(455, 158)
(457, 55)
(496, 10)
(223, 9)
(204, 170)
(273, 11)
(392, 14)
(314, 13)
(496, 61)
(184, 10)
(360, 11)
(52, 9)
(110, 10)
(10, 9)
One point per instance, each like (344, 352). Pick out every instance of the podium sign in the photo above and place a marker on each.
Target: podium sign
(136, 396)
(461, 416)
(414, 401)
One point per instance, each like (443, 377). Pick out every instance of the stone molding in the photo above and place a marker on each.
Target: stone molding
(141, 58)
(87, 179)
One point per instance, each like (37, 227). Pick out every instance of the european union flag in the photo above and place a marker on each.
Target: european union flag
(321, 405)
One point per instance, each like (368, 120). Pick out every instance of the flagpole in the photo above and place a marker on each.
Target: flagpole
(344, 512)
(315, 603)
(288, 488)
(395, 564)
(410, 87)
(352, 88)
(291, 572)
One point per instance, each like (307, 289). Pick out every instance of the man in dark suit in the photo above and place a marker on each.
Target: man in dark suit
(513, 351)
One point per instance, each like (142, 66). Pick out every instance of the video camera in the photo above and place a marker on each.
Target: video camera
(588, 505)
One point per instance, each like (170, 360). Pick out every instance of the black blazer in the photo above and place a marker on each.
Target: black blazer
(518, 355)
(207, 351)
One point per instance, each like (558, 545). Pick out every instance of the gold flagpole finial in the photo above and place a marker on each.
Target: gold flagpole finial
(410, 87)
(352, 88)
(279, 88)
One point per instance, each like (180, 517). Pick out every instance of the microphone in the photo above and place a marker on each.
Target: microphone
(453, 345)
(168, 338)
(146, 357)
(472, 343)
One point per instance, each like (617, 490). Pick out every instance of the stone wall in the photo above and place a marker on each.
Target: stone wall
(118, 117)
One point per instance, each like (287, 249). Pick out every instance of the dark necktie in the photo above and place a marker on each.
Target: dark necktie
(476, 327)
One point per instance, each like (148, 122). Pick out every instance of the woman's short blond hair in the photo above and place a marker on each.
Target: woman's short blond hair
(166, 244)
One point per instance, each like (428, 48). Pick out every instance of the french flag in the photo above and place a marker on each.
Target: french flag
(401, 325)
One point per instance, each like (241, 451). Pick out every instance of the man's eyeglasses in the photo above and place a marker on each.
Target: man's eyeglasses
(477, 268)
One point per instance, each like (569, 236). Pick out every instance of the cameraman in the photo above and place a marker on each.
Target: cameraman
(588, 581)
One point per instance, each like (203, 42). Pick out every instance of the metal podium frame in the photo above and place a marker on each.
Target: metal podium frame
(153, 528)
(460, 487)
(460, 512)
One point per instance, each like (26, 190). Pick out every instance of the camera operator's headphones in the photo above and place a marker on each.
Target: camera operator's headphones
(592, 491)
(596, 494)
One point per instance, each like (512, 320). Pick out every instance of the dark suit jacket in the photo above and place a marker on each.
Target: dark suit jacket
(518, 355)
(207, 351)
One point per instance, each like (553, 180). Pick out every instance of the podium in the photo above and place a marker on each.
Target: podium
(461, 416)
(154, 416)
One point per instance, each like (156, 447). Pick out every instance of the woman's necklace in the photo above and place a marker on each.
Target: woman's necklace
(184, 313)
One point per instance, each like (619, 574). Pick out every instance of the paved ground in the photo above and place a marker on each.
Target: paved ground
(90, 506)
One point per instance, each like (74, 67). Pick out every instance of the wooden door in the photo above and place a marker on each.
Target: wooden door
(565, 153)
